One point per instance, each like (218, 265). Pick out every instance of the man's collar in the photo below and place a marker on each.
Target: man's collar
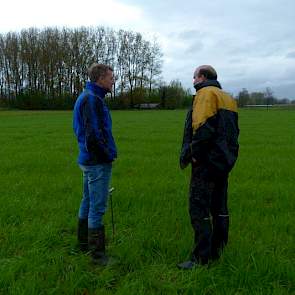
(207, 83)
(99, 91)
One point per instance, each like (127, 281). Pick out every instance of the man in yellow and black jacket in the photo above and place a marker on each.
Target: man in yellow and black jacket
(210, 145)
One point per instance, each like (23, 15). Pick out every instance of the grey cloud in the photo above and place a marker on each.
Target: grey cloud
(291, 55)
(235, 60)
(190, 35)
(285, 91)
(260, 84)
(251, 44)
(254, 48)
(194, 48)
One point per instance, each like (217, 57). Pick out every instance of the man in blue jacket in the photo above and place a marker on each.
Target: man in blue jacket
(93, 128)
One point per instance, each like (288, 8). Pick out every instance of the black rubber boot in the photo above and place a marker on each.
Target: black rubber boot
(82, 234)
(96, 245)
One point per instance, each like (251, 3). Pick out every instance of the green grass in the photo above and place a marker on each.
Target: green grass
(40, 191)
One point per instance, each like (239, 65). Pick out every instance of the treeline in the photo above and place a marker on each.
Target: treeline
(266, 97)
(164, 96)
(43, 69)
(47, 69)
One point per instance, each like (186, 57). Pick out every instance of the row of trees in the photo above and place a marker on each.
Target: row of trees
(47, 67)
(166, 96)
(266, 97)
(44, 69)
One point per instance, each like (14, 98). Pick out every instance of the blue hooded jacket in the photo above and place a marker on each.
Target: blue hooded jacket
(92, 125)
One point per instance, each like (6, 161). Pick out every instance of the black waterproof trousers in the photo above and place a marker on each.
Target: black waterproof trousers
(208, 212)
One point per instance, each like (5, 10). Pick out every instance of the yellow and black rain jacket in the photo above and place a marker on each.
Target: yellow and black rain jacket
(214, 128)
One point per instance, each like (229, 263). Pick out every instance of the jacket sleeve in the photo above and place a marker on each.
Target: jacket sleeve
(185, 153)
(204, 124)
(95, 142)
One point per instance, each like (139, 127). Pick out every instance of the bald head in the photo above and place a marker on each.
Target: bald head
(203, 73)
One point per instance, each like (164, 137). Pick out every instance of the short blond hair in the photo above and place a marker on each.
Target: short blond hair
(97, 71)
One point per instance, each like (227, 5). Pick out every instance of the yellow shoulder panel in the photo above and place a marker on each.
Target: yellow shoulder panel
(207, 102)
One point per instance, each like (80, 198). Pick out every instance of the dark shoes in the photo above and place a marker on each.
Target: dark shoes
(187, 265)
(194, 262)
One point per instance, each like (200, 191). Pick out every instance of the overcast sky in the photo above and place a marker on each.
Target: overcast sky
(250, 43)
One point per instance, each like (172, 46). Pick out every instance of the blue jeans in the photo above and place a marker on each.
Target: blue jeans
(96, 181)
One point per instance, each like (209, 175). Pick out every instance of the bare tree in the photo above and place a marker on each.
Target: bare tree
(154, 64)
(53, 62)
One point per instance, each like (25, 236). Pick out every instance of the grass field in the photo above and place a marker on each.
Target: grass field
(40, 191)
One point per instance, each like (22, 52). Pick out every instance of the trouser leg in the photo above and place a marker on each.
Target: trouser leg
(84, 205)
(82, 230)
(201, 188)
(220, 216)
(93, 207)
(98, 185)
